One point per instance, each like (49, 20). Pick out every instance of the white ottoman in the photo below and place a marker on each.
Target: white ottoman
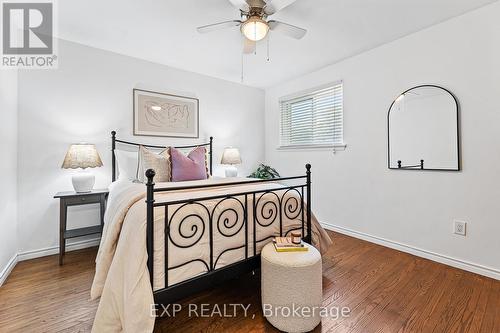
(291, 288)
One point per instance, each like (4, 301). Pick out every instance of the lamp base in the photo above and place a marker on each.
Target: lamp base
(231, 171)
(83, 182)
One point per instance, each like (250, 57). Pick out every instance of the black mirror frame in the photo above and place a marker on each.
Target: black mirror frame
(418, 168)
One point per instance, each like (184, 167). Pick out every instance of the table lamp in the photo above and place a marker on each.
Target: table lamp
(82, 156)
(231, 156)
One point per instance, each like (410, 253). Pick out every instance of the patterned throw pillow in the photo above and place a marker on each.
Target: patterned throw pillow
(159, 162)
(190, 167)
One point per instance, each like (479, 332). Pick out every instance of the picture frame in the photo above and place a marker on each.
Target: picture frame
(166, 115)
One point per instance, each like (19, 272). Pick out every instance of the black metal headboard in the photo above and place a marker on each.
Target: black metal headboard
(114, 141)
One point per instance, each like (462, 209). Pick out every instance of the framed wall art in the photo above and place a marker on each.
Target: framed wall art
(160, 114)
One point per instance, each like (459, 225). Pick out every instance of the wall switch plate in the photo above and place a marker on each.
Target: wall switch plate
(459, 227)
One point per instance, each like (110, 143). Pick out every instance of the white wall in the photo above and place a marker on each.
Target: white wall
(8, 170)
(90, 95)
(354, 189)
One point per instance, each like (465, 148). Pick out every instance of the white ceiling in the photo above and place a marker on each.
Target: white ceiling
(163, 31)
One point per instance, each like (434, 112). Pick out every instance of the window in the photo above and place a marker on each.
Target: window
(313, 119)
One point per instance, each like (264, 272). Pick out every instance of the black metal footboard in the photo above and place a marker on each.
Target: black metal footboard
(191, 222)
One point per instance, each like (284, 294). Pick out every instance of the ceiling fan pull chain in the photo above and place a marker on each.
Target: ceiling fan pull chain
(242, 55)
(268, 37)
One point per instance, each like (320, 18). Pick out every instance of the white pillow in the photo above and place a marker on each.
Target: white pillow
(128, 162)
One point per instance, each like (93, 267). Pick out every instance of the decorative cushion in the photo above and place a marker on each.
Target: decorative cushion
(190, 167)
(159, 162)
(186, 151)
(128, 162)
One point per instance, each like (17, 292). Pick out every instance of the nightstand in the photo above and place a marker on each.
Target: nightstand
(76, 199)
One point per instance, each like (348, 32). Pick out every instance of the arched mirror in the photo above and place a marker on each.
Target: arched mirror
(423, 130)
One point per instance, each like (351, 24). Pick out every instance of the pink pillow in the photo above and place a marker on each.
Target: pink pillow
(190, 167)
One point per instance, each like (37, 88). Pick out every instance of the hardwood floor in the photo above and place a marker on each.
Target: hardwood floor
(386, 291)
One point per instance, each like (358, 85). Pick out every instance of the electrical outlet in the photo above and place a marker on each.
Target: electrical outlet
(459, 227)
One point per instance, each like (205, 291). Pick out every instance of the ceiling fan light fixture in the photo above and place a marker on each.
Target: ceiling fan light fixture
(255, 28)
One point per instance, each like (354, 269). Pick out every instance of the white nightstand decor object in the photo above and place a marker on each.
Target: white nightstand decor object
(231, 156)
(83, 156)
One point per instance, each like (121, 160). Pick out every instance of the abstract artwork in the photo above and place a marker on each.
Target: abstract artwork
(159, 114)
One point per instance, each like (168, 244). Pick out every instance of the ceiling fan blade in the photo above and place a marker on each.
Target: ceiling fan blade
(217, 26)
(273, 6)
(240, 4)
(248, 46)
(287, 29)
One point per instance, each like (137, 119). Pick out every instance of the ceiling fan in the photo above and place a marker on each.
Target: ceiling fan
(254, 23)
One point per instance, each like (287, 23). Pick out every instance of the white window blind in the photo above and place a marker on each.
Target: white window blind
(313, 118)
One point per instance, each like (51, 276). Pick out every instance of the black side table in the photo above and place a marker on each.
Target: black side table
(76, 199)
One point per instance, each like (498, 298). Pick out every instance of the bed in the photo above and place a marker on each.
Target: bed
(163, 242)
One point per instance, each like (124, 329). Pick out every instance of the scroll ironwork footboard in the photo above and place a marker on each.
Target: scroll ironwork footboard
(222, 218)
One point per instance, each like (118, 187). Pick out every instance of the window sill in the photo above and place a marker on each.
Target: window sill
(337, 147)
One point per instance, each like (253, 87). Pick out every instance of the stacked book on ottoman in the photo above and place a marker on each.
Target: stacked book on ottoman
(289, 244)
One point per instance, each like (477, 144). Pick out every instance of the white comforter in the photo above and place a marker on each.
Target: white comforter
(122, 278)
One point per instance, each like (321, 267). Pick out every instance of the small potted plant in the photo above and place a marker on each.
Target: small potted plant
(264, 172)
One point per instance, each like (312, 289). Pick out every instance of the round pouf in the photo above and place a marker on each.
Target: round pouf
(291, 288)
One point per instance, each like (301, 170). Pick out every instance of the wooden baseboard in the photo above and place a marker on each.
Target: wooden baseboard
(441, 258)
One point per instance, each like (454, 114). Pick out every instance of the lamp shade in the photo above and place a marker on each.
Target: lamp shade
(83, 156)
(231, 156)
